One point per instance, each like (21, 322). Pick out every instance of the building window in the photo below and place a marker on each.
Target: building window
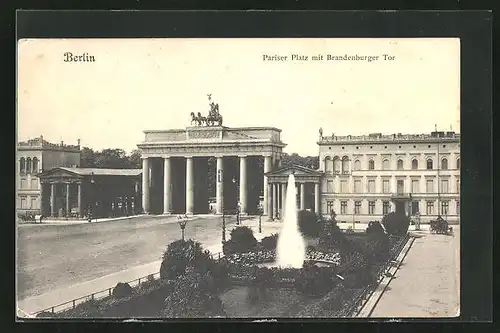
(385, 207)
(444, 164)
(385, 184)
(429, 164)
(357, 207)
(336, 165)
(328, 165)
(430, 208)
(458, 207)
(429, 186)
(24, 203)
(400, 186)
(371, 165)
(22, 165)
(343, 207)
(329, 186)
(414, 164)
(33, 203)
(458, 163)
(357, 186)
(371, 207)
(34, 183)
(444, 207)
(415, 207)
(385, 164)
(329, 206)
(343, 186)
(23, 183)
(414, 186)
(371, 186)
(357, 165)
(345, 164)
(444, 186)
(458, 186)
(35, 165)
(28, 165)
(400, 164)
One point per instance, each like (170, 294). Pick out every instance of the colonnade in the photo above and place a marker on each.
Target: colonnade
(190, 184)
(278, 192)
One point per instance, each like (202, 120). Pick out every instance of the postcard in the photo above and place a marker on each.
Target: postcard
(258, 178)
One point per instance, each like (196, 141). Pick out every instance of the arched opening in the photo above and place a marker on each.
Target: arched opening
(336, 164)
(22, 165)
(328, 164)
(28, 165)
(400, 164)
(35, 164)
(429, 164)
(345, 164)
(414, 164)
(385, 164)
(371, 165)
(444, 164)
(357, 165)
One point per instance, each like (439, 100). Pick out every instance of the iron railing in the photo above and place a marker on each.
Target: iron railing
(98, 295)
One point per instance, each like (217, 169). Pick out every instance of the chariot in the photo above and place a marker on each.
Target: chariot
(439, 226)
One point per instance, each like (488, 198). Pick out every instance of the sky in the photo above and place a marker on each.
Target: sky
(142, 84)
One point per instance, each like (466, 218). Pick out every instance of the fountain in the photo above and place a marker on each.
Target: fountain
(291, 250)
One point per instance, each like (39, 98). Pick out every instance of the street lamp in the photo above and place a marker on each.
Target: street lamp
(261, 211)
(223, 226)
(238, 205)
(91, 197)
(182, 224)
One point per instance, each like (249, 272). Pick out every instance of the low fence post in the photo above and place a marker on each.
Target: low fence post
(109, 291)
(74, 304)
(52, 309)
(92, 296)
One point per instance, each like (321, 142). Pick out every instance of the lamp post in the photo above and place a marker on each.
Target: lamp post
(238, 202)
(261, 211)
(223, 226)
(182, 224)
(91, 206)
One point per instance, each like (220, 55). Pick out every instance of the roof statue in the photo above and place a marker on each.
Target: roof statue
(320, 132)
(214, 118)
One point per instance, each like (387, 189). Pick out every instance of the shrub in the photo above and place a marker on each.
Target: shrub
(309, 224)
(313, 280)
(396, 223)
(374, 227)
(122, 290)
(331, 237)
(270, 242)
(182, 253)
(242, 240)
(193, 296)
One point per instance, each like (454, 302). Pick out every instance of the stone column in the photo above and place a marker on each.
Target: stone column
(189, 186)
(145, 185)
(220, 185)
(52, 200)
(80, 211)
(167, 196)
(243, 184)
(283, 199)
(316, 198)
(67, 199)
(267, 168)
(302, 196)
(270, 201)
(275, 199)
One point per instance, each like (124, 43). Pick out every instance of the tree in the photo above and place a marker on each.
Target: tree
(134, 160)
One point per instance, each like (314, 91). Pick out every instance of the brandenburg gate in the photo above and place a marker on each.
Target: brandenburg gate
(175, 166)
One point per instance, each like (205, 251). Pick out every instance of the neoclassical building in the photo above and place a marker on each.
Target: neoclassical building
(366, 177)
(33, 157)
(174, 172)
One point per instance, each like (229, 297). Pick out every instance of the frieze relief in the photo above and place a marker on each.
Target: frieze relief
(204, 134)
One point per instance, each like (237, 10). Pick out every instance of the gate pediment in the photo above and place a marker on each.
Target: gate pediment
(58, 174)
(297, 170)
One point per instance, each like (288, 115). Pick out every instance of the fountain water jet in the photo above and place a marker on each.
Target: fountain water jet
(291, 249)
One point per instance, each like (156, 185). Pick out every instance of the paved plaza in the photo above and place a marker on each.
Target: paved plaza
(427, 283)
(58, 263)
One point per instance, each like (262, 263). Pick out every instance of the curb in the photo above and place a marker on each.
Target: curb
(376, 295)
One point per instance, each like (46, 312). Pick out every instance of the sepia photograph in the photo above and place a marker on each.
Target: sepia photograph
(238, 178)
